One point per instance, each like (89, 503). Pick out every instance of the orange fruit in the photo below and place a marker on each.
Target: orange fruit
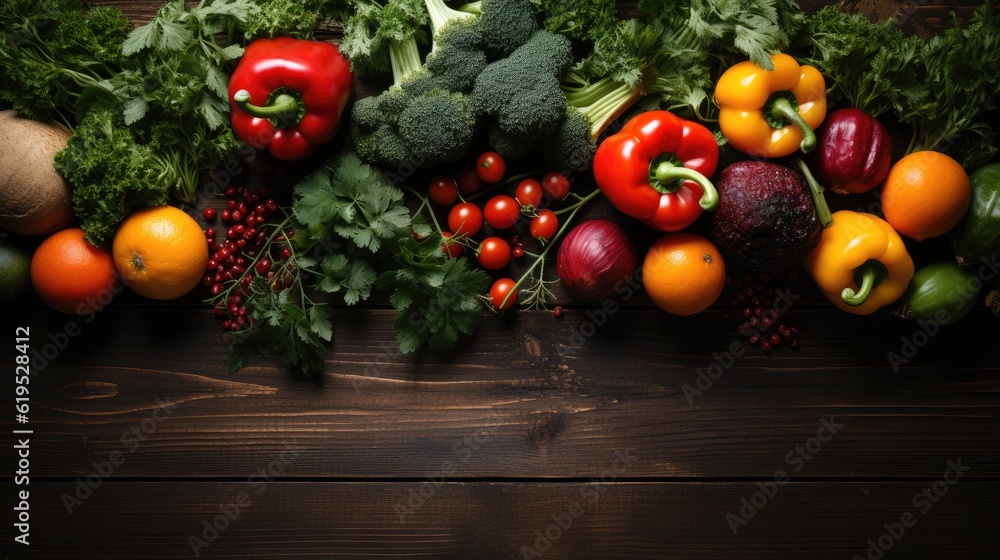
(160, 252)
(73, 276)
(925, 195)
(683, 273)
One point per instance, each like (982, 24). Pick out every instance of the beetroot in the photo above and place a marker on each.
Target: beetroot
(766, 218)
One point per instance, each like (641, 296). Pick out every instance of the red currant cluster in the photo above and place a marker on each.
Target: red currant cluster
(246, 246)
(763, 311)
(502, 212)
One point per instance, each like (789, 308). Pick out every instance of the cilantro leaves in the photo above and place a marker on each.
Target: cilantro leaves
(353, 236)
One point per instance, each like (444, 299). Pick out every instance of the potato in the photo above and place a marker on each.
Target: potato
(34, 198)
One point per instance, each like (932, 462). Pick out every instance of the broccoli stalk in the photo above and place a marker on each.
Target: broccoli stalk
(442, 15)
(381, 35)
(404, 56)
(602, 101)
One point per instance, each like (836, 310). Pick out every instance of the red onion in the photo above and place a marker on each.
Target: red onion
(594, 259)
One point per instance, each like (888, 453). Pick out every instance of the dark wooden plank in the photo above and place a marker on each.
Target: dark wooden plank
(547, 402)
(501, 521)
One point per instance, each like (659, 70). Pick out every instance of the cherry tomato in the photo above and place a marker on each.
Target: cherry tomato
(529, 193)
(499, 292)
(502, 212)
(556, 185)
(491, 167)
(453, 250)
(443, 190)
(468, 180)
(494, 253)
(543, 226)
(465, 218)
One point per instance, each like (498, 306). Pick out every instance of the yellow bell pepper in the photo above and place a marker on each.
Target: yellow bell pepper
(771, 113)
(860, 263)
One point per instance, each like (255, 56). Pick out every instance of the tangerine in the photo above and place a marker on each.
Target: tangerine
(683, 273)
(72, 276)
(160, 252)
(925, 195)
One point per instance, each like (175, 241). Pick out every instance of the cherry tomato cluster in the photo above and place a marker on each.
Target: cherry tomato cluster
(502, 213)
(246, 213)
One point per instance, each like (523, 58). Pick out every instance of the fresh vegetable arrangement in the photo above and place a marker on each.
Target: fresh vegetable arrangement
(457, 188)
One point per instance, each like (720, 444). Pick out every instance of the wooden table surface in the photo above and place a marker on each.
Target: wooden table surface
(527, 442)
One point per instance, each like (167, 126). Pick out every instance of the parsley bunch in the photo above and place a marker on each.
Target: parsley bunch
(354, 234)
(944, 88)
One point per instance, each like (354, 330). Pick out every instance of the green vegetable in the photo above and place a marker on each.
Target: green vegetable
(294, 18)
(113, 173)
(424, 119)
(978, 236)
(353, 235)
(521, 93)
(959, 87)
(384, 36)
(673, 56)
(873, 66)
(944, 88)
(942, 292)
(52, 51)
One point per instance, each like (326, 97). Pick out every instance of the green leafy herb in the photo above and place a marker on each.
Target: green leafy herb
(52, 51)
(959, 88)
(381, 35)
(873, 66)
(353, 234)
(292, 18)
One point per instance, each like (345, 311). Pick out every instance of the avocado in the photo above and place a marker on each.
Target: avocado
(766, 218)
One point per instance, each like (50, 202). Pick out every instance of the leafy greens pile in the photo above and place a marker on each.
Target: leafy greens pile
(944, 88)
(148, 106)
(354, 235)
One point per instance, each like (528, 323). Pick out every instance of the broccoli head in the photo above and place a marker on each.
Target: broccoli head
(382, 146)
(511, 147)
(522, 91)
(505, 25)
(537, 110)
(572, 147)
(455, 68)
(438, 126)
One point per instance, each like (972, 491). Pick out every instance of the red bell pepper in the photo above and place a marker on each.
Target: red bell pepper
(655, 169)
(300, 88)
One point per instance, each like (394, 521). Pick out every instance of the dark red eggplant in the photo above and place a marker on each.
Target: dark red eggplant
(854, 152)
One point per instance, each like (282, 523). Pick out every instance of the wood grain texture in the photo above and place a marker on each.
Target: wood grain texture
(498, 521)
(548, 403)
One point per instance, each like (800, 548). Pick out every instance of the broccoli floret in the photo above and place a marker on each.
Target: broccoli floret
(522, 91)
(442, 16)
(572, 147)
(506, 25)
(537, 111)
(438, 126)
(512, 147)
(383, 146)
(462, 33)
(455, 68)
